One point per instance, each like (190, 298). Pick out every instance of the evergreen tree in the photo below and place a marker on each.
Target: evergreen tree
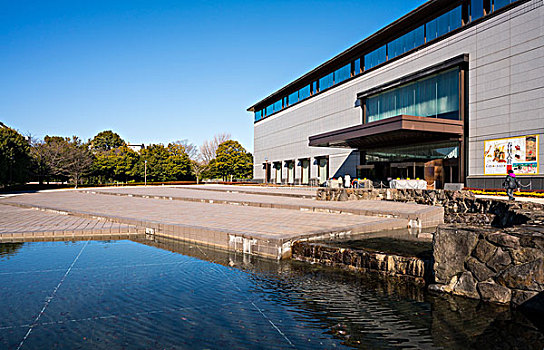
(15, 158)
(105, 141)
(232, 160)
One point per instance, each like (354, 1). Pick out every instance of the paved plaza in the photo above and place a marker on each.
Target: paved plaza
(254, 223)
(425, 216)
(21, 223)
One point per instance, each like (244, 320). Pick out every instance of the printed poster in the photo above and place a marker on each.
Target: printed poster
(517, 153)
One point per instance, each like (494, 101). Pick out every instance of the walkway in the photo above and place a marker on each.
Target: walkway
(422, 215)
(253, 223)
(18, 224)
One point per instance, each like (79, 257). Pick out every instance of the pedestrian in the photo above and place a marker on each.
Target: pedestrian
(347, 181)
(510, 184)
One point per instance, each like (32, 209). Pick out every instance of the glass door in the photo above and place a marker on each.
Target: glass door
(291, 172)
(277, 166)
(323, 170)
(305, 169)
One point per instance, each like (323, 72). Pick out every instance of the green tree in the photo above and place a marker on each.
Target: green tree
(106, 141)
(125, 164)
(15, 157)
(232, 160)
(165, 163)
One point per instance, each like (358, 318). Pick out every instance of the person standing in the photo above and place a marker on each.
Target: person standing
(510, 184)
(347, 181)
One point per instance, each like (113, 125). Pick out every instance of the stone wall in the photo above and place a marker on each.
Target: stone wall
(459, 206)
(412, 268)
(496, 265)
(489, 249)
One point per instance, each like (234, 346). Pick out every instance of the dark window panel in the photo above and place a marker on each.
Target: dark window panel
(342, 73)
(406, 42)
(476, 9)
(375, 57)
(304, 92)
(326, 82)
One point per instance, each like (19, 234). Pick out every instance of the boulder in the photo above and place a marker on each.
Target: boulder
(524, 255)
(478, 269)
(521, 296)
(343, 196)
(490, 291)
(499, 261)
(451, 248)
(529, 276)
(466, 286)
(484, 251)
(504, 240)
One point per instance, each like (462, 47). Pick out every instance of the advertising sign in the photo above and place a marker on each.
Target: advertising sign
(517, 153)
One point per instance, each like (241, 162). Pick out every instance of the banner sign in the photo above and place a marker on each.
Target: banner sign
(517, 153)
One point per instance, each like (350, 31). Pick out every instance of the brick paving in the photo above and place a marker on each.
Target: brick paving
(253, 223)
(427, 215)
(19, 223)
(244, 219)
(270, 190)
(227, 226)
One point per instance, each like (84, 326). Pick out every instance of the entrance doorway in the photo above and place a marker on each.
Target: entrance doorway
(436, 163)
(322, 170)
(290, 172)
(277, 167)
(305, 171)
(267, 172)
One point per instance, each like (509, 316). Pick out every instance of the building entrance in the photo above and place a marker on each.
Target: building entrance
(436, 164)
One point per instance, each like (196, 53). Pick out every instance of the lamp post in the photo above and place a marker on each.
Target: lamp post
(145, 172)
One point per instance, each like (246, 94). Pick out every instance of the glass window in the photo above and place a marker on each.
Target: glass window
(342, 73)
(314, 87)
(406, 42)
(375, 57)
(325, 82)
(444, 24)
(357, 67)
(269, 110)
(436, 96)
(258, 115)
(277, 106)
(293, 98)
(497, 4)
(304, 92)
(476, 9)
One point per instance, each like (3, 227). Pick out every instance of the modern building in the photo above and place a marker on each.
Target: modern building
(452, 92)
(136, 147)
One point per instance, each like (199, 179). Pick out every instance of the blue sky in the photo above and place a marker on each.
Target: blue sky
(160, 71)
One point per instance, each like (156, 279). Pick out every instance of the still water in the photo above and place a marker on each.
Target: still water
(163, 294)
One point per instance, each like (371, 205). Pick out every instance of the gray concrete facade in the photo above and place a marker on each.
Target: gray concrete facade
(505, 97)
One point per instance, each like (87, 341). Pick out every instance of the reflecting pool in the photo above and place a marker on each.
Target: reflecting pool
(162, 294)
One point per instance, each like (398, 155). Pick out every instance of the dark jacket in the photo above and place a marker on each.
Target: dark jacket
(511, 182)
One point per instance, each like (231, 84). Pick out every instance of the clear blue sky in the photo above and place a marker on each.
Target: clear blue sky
(158, 71)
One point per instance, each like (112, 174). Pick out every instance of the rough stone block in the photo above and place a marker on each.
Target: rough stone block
(524, 255)
(490, 291)
(484, 251)
(451, 248)
(499, 261)
(521, 296)
(466, 286)
(479, 270)
(504, 240)
(529, 276)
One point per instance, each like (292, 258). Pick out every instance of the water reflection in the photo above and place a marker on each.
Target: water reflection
(166, 294)
(370, 311)
(9, 249)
